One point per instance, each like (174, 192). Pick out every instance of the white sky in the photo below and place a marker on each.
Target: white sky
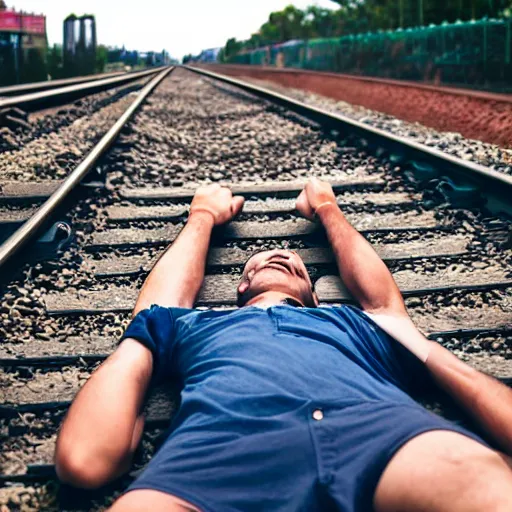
(179, 26)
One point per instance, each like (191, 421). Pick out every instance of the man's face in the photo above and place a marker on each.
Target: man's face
(278, 270)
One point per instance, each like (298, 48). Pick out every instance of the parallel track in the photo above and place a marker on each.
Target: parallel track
(16, 90)
(32, 226)
(33, 101)
(451, 262)
(407, 150)
(475, 114)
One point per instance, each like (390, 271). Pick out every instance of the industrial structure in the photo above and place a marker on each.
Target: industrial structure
(23, 46)
(79, 50)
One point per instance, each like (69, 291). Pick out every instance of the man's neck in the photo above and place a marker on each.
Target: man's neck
(267, 299)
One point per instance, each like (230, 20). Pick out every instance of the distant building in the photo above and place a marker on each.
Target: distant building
(23, 46)
(79, 48)
(132, 58)
(209, 55)
(156, 58)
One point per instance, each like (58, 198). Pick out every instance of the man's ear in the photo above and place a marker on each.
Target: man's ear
(243, 287)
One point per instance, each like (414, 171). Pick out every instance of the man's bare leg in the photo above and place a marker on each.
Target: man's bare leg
(156, 501)
(442, 471)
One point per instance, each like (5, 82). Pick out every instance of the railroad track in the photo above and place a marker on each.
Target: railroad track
(480, 115)
(16, 90)
(448, 250)
(42, 99)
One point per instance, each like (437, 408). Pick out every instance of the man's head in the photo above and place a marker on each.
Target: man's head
(280, 271)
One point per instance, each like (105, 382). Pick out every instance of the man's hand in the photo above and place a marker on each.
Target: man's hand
(178, 275)
(218, 201)
(315, 195)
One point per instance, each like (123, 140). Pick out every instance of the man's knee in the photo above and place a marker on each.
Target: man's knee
(445, 471)
(488, 482)
(491, 480)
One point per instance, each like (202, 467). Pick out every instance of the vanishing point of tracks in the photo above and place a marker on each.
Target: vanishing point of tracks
(65, 300)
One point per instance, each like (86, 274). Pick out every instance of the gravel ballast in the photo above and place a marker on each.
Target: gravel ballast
(490, 155)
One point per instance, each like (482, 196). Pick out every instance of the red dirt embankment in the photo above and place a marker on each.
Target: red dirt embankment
(474, 114)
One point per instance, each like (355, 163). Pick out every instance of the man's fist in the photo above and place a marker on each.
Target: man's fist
(316, 193)
(217, 200)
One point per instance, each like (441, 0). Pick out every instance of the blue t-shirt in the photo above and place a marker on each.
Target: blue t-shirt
(243, 368)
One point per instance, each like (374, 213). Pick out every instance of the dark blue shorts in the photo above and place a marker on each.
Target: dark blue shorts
(333, 462)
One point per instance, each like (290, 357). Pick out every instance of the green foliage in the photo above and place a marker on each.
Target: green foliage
(54, 61)
(233, 47)
(476, 53)
(359, 16)
(385, 14)
(101, 58)
(34, 66)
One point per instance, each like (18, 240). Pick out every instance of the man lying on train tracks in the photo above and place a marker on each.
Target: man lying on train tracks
(287, 406)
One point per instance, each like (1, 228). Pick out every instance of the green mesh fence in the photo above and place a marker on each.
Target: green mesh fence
(476, 53)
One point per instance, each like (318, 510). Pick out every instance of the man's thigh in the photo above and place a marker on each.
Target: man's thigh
(156, 501)
(445, 471)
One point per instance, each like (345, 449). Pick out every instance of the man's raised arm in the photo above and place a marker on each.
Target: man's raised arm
(368, 279)
(361, 270)
(178, 275)
(104, 424)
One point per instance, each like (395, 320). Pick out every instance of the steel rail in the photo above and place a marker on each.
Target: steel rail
(16, 90)
(39, 100)
(486, 95)
(31, 227)
(488, 180)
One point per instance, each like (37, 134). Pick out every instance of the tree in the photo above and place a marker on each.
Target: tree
(54, 61)
(320, 22)
(231, 48)
(358, 16)
(383, 14)
(101, 58)
(34, 66)
(284, 25)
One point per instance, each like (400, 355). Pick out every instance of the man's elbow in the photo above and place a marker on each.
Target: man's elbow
(393, 307)
(79, 468)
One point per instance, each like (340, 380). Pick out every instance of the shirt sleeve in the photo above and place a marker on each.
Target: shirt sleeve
(155, 329)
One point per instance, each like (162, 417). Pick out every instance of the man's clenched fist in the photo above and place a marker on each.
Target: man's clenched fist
(315, 195)
(218, 201)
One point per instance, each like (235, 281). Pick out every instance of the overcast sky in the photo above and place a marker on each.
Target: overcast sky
(179, 26)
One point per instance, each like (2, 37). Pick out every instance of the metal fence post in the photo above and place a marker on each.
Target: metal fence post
(508, 42)
(485, 47)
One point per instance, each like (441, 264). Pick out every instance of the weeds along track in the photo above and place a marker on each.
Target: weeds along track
(61, 317)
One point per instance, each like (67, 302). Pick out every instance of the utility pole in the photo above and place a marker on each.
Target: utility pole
(401, 14)
(420, 8)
